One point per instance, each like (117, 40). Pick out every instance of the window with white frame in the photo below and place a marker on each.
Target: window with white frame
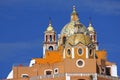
(80, 63)
(56, 70)
(80, 51)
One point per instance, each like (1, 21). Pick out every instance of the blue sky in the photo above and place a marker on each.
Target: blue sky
(23, 22)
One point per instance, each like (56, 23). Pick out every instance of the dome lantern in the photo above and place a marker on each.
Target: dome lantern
(50, 28)
(74, 15)
(90, 27)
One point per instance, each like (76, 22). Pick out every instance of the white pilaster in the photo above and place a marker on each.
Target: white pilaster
(87, 56)
(72, 52)
(114, 70)
(43, 51)
(67, 77)
(97, 48)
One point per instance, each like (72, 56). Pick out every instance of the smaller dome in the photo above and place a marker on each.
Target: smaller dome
(50, 28)
(90, 28)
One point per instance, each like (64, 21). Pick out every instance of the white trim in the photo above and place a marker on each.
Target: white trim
(87, 56)
(72, 52)
(32, 62)
(114, 71)
(10, 75)
(108, 66)
(67, 77)
(43, 51)
(57, 71)
(97, 48)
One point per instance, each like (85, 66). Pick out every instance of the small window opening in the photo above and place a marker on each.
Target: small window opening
(51, 48)
(90, 52)
(80, 51)
(56, 71)
(64, 40)
(48, 72)
(50, 38)
(69, 52)
(24, 76)
(108, 71)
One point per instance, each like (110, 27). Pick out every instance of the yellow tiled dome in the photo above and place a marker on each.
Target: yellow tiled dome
(78, 38)
(69, 29)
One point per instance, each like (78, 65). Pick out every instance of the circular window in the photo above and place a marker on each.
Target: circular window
(69, 52)
(80, 63)
(80, 51)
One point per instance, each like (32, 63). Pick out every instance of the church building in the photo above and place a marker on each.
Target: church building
(74, 55)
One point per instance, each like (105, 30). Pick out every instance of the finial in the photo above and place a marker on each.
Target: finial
(50, 28)
(74, 9)
(74, 15)
(90, 27)
(90, 21)
(50, 21)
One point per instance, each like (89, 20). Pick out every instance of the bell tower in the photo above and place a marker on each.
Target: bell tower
(50, 42)
(93, 36)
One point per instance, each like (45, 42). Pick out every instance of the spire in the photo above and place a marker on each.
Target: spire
(90, 27)
(74, 10)
(74, 15)
(50, 28)
(50, 21)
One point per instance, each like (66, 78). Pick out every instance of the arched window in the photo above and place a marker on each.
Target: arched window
(64, 40)
(69, 52)
(48, 72)
(51, 48)
(50, 38)
(90, 52)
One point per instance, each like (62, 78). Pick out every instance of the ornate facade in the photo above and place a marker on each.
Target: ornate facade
(74, 56)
